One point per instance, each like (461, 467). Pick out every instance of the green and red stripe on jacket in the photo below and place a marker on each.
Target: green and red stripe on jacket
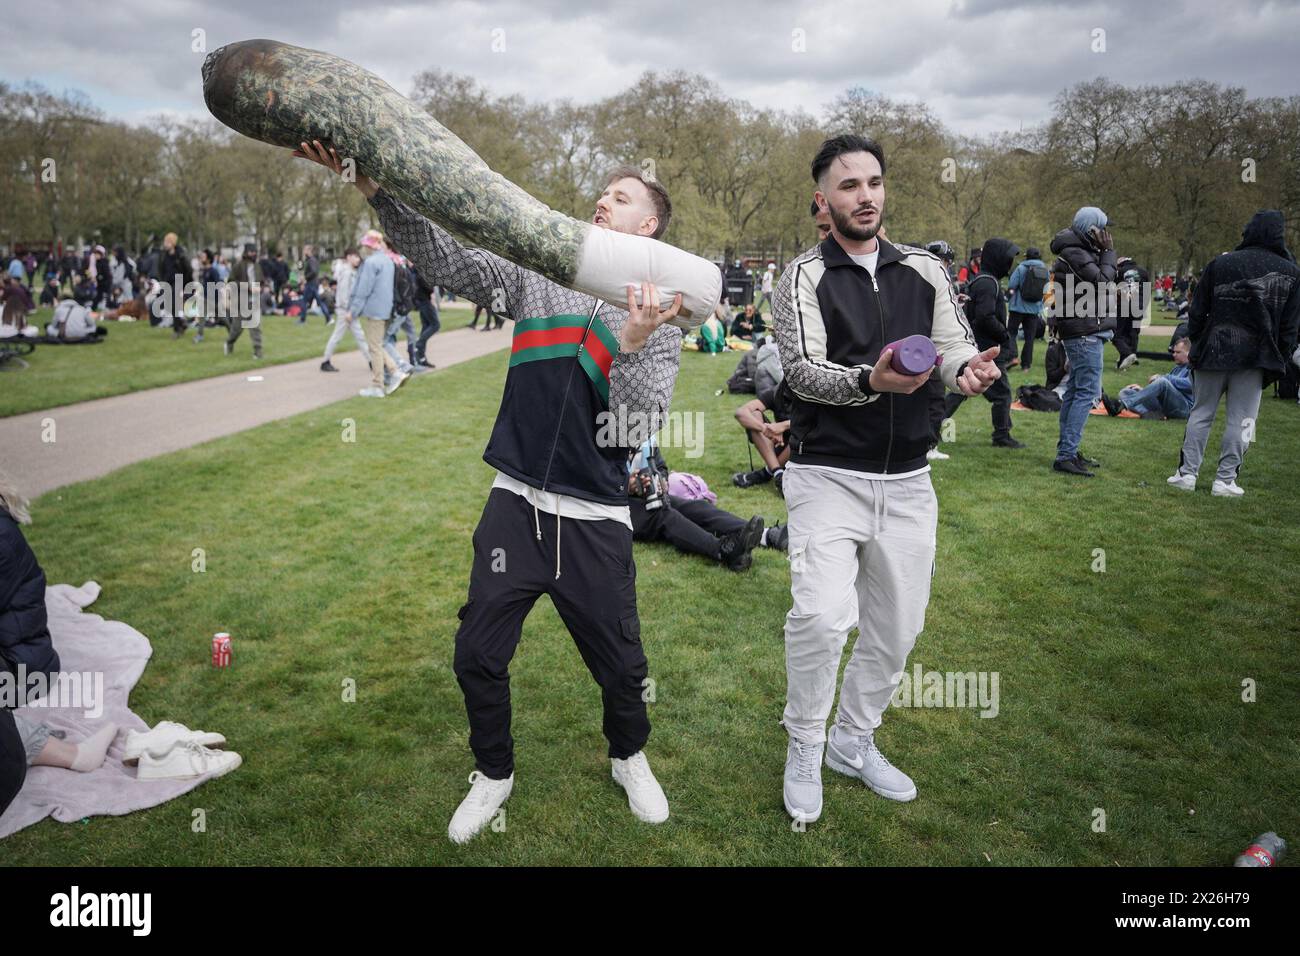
(557, 336)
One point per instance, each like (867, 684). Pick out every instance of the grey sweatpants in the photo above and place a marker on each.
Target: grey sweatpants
(861, 553)
(1244, 388)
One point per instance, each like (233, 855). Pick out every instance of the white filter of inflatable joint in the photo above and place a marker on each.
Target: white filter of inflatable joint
(611, 261)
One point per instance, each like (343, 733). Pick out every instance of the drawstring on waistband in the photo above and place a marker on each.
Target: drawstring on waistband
(537, 523)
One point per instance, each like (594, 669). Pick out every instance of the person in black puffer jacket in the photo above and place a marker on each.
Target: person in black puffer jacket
(1243, 321)
(26, 650)
(1082, 279)
(987, 310)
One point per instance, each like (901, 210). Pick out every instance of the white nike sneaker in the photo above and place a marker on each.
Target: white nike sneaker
(165, 735)
(1227, 489)
(802, 791)
(185, 761)
(372, 392)
(935, 454)
(644, 795)
(860, 757)
(1185, 482)
(479, 806)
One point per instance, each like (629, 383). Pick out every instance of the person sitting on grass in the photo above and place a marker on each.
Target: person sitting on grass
(26, 645)
(747, 323)
(135, 308)
(691, 525)
(1165, 396)
(73, 322)
(769, 437)
(50, 294)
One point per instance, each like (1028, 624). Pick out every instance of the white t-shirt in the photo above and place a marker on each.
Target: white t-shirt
(868, 261)
(566, 506)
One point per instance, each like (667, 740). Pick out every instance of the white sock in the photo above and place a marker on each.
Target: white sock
(763, 540)
(92, 751)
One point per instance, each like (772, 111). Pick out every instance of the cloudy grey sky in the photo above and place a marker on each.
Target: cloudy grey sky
(981, 65)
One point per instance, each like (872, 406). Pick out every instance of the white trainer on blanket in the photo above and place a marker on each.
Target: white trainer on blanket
(163, 737)
(186, 760)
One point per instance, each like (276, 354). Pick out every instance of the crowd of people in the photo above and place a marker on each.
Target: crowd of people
(849, 443)
(171, 289)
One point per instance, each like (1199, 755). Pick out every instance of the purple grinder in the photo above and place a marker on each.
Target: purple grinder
(913, 355)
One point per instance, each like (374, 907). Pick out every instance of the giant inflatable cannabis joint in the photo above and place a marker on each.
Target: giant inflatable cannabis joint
(285, 95)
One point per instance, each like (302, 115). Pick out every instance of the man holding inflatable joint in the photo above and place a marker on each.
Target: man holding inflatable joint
(862, 511)
(574, 360)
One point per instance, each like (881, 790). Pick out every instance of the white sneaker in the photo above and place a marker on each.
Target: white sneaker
(1185, 482)
(860, 757)
(1128, 361)
(165, 735)
(802, 791)
(1227, 489)
(396, 383)
(186, 761)
(644, 795)
(479, 806)
(935, 454)
(372, 392)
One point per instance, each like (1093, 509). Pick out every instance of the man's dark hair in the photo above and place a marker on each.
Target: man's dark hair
(658, 195)
(838, 146)
(813, 210)
(351, 251)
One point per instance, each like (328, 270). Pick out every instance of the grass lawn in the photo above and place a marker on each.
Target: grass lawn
(136, 355)
(1119, 691)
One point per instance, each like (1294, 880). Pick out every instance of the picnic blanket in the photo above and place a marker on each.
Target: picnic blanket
(89, 644)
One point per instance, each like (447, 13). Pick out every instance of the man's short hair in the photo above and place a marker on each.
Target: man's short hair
(838, 146)
(1181, 339)
(658, 195)
(350, 251)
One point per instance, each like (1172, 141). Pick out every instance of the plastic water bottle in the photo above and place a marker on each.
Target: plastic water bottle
(1267, 850)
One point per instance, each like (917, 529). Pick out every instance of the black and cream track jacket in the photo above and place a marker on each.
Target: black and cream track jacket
(833, 319)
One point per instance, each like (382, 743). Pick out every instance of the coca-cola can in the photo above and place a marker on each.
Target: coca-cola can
(221, 653)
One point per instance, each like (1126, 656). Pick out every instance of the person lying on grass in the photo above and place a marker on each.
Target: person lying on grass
(1165, 396)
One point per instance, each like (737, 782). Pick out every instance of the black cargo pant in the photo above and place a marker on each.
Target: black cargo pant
(595, 595)
(998, 395)
(690, 525)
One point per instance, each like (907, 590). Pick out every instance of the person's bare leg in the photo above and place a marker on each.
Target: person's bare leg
(84, 757)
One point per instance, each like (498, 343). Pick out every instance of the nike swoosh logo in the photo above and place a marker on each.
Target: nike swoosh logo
(856, 763)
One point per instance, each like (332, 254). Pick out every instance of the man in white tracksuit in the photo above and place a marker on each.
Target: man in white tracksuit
(862, 510)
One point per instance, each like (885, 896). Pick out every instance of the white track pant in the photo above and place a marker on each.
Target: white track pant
(861, 552)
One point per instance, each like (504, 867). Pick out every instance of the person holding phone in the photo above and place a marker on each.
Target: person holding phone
(1080, 317)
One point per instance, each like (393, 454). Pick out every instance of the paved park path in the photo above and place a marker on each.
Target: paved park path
(96, 437)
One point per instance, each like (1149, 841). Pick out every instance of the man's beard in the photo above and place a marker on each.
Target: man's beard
(846, 227)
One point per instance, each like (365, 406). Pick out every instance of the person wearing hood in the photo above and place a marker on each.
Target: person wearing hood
(1243, 322)
(986, 307)
(1081, 274)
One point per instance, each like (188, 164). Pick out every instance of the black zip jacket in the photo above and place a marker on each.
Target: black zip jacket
(832, 321)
